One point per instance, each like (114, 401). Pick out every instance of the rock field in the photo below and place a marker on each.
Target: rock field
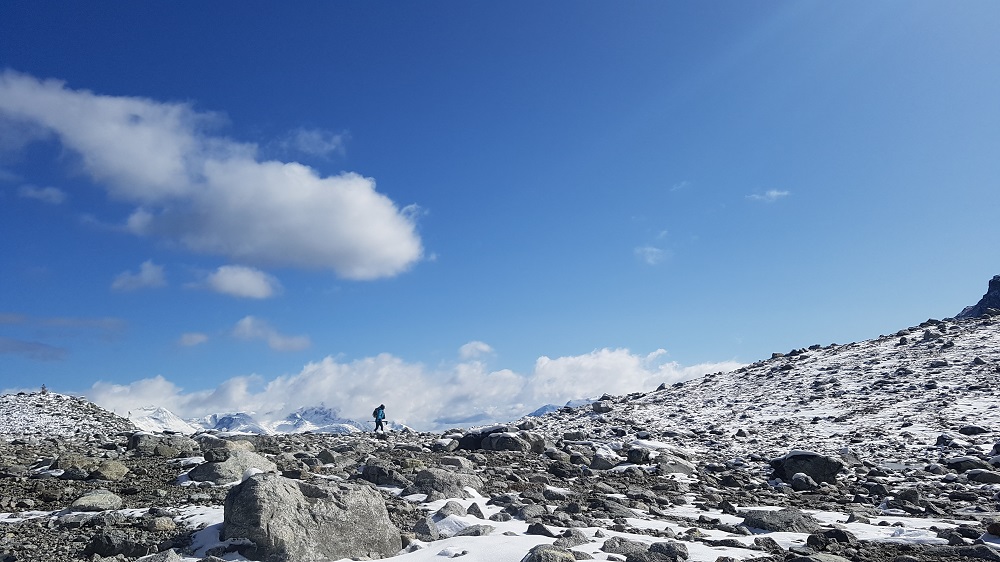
(882, 451)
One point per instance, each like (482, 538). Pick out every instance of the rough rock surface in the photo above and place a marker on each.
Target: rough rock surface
(990, 301)
(292, 520)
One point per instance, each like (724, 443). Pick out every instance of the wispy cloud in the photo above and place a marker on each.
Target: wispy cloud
(650, 255)
(191, 339)
(50, 195)
(252, 328)
(474, 350)
(315, 142)
(681, 185)
(241, 281)
(210, 194)
(426, 398)
(34, 337)
(33, 350)
(769, 196)
(149, 276)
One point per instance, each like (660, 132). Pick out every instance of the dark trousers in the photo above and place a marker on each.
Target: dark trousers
(378, 425)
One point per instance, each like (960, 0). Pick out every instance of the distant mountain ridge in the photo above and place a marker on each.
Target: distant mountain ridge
(314, 419)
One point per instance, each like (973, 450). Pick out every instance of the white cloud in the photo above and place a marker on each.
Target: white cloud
(464, 393)
(191, 339)
(769, 196)
(650, 255)
(315, 142)
(240, 281)
(474, 350)
(149, 275)
(252, 328)
(211, 194)
(50, 195)
(684, 184)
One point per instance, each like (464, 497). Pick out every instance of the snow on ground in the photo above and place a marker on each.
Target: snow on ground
(885, 399)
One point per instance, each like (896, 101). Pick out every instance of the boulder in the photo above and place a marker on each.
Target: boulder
(966, 463)
(461, 463)
(601, 406)
(149, 444)
(972, 430)
(232, 469)
(802, 482)
(548, 553)
(983, 476)
(294, 520)
(820, 468)
(383, 473)
(97, 500)
(618, 545)
(426, 530)
(505, 441)
(439, 483)
(109, 470)
(473, 440)
(605, 458)
(672, 550)
(788, 520)
(72, 461)
(671, 464)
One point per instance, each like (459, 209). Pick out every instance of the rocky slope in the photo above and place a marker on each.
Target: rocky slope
(876, 451)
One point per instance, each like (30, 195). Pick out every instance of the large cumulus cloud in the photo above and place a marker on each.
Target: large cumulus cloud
(212, 194)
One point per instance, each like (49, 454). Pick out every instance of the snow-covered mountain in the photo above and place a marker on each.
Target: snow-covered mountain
(160, 420)
(317, 419)
(234, 422)
(887, 399)
(58, 415)
(554, 407)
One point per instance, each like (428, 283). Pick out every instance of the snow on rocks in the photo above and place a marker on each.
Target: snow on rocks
(841, 452)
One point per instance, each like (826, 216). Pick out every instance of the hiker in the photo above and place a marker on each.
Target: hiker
(379, 415)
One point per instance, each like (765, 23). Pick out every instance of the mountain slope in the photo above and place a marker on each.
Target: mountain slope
(50, 414)
(888, 399)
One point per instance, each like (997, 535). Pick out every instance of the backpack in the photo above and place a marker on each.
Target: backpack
(377, 414)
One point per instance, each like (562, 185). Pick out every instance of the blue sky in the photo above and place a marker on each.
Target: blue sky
(466, 210)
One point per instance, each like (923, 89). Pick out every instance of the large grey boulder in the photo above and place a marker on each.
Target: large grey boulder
(788, 520)
(97, 500)
(548, 553)
(383, 473)
(232, 468)
(820, 468)
(109, 470)
(671, 464)
(294, 521)
(439, 483)
(966, 463)
(168, 446)
(506, 441)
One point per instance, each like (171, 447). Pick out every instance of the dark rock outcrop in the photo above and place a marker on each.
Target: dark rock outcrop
(991, 300)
